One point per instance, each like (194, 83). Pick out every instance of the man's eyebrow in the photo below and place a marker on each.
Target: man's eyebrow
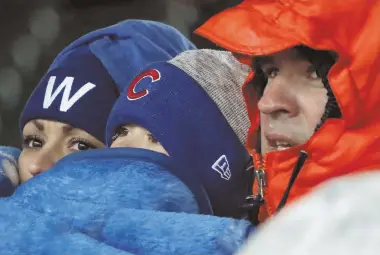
(262, 60)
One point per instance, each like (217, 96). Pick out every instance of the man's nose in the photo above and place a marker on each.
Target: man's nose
(279, 98)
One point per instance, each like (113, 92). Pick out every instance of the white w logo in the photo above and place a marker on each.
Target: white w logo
(67, 102)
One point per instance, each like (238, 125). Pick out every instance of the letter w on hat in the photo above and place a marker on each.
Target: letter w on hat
(66, 102)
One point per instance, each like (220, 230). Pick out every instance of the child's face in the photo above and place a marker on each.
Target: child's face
(134, 136)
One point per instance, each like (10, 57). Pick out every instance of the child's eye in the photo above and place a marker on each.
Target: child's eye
(120, 132)
(79, 144)
(152, 139)
(32, 142)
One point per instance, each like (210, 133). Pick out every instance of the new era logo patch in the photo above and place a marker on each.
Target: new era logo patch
(222, 167)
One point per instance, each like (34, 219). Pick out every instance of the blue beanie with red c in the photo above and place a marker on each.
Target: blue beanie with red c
(193, 105)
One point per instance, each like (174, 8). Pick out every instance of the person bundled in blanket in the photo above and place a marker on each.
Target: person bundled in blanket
(68, 110)
(191, 110)
(172, 182)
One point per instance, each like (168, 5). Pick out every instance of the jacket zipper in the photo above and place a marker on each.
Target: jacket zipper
(260, 177)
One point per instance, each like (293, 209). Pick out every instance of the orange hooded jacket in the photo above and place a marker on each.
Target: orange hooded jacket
(348, 27)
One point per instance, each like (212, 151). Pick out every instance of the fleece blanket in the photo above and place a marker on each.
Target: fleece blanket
(8, 170)
(112, 201)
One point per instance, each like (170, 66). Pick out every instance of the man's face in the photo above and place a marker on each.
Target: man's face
(292, 103)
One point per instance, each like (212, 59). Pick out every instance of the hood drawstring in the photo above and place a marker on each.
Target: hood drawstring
(296, 170)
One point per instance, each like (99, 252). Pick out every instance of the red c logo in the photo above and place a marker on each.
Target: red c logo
(154, 74)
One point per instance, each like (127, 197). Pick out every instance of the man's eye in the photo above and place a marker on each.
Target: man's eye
(313, 73)
(271, 72)
(32, 142)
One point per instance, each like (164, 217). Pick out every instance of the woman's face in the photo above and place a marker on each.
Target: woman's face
(45, 142)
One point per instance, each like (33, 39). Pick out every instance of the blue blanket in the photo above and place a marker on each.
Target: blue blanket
(8, 170)
(112, 201)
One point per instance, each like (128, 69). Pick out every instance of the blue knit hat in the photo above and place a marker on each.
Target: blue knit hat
(193, 105)
(80, 92)
(84, 80)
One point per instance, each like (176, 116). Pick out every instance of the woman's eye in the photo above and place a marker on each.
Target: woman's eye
(81, 146)
(120, 132)
(32, 142)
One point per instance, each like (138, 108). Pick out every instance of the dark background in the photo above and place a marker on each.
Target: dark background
(33, 32)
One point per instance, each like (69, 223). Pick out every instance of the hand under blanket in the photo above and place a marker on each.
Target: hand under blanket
(9, 178)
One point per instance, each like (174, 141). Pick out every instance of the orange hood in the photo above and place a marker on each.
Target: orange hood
(348, 27)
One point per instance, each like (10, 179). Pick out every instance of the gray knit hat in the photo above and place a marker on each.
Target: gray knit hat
(194, 106)
(222, 77)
